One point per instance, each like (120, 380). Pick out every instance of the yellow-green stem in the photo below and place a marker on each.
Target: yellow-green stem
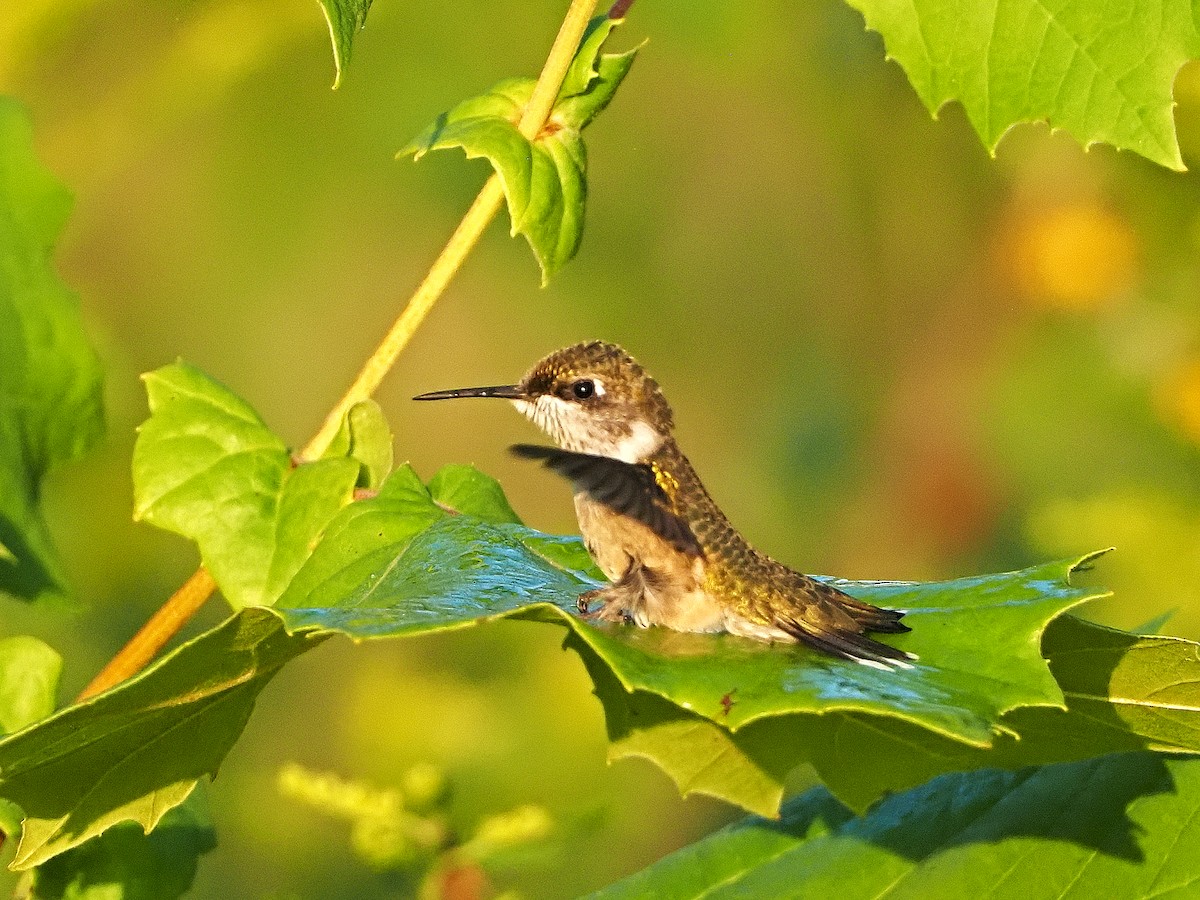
(184, 603)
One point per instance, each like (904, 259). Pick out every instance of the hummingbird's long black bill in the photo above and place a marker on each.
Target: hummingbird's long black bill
(501, 391)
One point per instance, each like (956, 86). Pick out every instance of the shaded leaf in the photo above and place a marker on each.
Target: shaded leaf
(206, 466)
(545, 180)
(1103, 72)
(1125, 825)
(345, 19)
(50, 377)
(124, 863)
(1123, 692)
(134, 752)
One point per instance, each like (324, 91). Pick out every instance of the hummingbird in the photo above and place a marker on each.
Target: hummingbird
(671, 556)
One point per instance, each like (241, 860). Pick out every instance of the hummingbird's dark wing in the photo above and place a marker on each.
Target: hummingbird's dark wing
(626, 488)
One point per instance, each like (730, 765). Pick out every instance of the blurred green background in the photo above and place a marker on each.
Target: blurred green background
(890, 356)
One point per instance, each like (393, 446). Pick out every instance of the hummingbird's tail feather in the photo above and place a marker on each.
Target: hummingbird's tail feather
(848, 645)
(875, 618)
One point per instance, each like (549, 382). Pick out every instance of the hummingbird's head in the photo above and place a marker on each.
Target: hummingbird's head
(590, 398)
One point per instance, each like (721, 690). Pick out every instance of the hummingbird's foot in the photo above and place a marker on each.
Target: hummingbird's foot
(611, 608)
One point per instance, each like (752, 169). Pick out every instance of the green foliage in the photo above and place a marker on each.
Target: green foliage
(1004, 680)
(29, 672)
(50, 378)
(366, 437)
(205, 466)
(544, 179)
(1119, 826)
(688, 700)
(345, 19)
(124, 863)
(721, 714)
(1103, 72)
(135, 752)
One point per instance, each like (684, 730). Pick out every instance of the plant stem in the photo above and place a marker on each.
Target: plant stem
(185, 602)
(151, 637)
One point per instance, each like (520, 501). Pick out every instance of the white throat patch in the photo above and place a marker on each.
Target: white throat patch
(641, 442)
(574, 429)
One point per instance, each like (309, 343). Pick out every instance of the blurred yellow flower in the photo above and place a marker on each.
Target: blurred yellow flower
(1177, 398)
(1079, 256)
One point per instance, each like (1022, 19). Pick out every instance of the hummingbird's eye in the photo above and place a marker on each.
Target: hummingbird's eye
(583, 389)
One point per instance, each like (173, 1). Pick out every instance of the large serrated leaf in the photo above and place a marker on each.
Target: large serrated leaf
(50, 378)
(206, 466)
(545, 180)
(1125, 825)
(133, 753)
(1101, 71)
(399, 564)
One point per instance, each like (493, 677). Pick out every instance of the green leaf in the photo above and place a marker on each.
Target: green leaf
(464, 489)
(50, 377)
(136, 751)
(1123, 692)
(366, 437)
(1103, 72)
(29, 672)
(345, 19)
(1119, 826)
(545, 180)
(206, 467)
(977, 638)
(124, 863)
(398, 564)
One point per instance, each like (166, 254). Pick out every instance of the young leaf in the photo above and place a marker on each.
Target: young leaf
(464, 489)
(50, 378)
(1102, 72)
(1119, 826)
(124, 863)
(366, 437)
(545, 180)
(206, 466)
(345, 19)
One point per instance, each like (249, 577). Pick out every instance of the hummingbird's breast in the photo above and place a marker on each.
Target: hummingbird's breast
(672, 582)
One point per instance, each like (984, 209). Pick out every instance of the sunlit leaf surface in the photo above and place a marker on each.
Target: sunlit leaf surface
(206, 466)
(1102, 71)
